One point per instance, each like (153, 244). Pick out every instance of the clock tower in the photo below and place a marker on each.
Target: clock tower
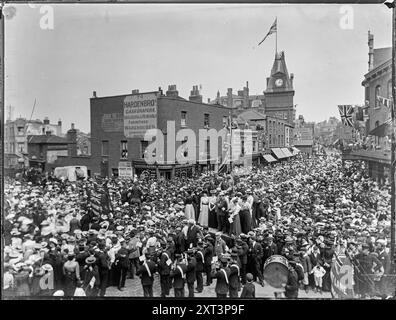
(279, 93)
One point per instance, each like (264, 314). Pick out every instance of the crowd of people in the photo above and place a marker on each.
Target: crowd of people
(196, 231)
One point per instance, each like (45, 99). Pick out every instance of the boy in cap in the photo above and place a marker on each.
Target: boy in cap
(249, 290)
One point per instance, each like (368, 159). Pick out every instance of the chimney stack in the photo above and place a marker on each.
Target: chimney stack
(48, 133)
(60, 123)
(46, 120)
(172, 92)
(94, 94)
(208, 100)
(229, 97)
(194, 95)
(135, 91)
(72, 138)
(160, 91)
(371, 51)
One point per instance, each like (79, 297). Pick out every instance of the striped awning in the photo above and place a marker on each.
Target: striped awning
(287, 152)
(269, 158)
(278, 153)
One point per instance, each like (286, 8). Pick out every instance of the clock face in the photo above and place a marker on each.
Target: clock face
(279, 82)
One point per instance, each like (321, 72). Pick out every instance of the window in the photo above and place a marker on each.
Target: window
(124, 149)
(225, 121)
(279, 139)
(254, 146)
(105, 148)
(242, 147)
(20, 147)
(207, 151)
(377, 94)
(367, 93)
(206, 119)
(20, 130)
(183, 118)
(143, 147)
(270, 139)
(389, 89)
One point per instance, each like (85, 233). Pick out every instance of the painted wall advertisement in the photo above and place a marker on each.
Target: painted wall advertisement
(112, 122)
(140, 114)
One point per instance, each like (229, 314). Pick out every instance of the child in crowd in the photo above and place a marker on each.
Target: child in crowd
(318, 272)
(249, 290)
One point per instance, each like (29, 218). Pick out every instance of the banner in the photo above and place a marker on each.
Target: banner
(140, 114)
(341, 275)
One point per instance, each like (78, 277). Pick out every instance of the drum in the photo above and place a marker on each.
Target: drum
(276, 270)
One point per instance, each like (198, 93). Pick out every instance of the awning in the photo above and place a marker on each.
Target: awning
(269, 158)
(382, 130)
(278, 153)
(287, 152)
(295, 150)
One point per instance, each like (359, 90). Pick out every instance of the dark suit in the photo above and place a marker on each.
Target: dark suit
(208, 255)
(221, 283)
(192, 236)
(164, 271)
(248, 291)
(256, 254)
(199, 269)
(221, 212)
(102, 262)
(243, 257)
(191, 275)
(234, 280)
(146, 278)
(179, 280)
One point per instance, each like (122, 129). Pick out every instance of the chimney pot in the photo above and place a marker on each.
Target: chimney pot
(72, 126)
(94, 94)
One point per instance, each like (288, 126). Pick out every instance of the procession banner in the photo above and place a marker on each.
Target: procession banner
(140, 114)
(341, 275)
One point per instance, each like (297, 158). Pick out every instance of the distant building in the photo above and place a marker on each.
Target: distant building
(16, 134)
(324, 131)
(303, 134)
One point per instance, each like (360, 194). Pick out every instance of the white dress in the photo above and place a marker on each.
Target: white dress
(204, 214)
(189, 211)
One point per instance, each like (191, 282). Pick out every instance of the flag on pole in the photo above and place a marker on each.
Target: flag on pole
(346, 112)
(272, 30)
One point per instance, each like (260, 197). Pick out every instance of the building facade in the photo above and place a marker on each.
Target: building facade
(119, 125)
(377, 85)
(16, 134)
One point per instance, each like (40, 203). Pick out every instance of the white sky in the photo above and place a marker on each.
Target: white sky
(116, 48)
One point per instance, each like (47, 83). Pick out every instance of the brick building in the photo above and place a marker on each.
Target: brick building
(118, 125)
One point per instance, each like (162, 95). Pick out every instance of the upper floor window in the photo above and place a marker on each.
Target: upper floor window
(389, 89)
(143, 147)
(124, 149)
(183, 122)
(20, 130)
(206, 119)
(105, 148)
(377, 94)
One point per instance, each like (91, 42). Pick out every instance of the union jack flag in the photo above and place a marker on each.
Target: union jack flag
(346, 115)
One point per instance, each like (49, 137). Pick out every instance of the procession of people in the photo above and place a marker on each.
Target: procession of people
(211, 229)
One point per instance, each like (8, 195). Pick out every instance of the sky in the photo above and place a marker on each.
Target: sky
(115, 48)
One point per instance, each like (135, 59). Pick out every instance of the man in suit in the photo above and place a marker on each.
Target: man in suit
(221, 212)
(191, 272)
(164, 268)
(103, 261)
(146, 272)
(199, 256)
(384, 258)
(243, 255)
(234, 279)
(192, 234)
(256, 254)
(178, 274)
(208, 256)
(222, 275)
(121, 263)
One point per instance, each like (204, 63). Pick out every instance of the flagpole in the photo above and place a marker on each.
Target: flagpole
(276, 37)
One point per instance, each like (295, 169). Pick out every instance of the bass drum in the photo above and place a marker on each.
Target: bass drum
(276, 271)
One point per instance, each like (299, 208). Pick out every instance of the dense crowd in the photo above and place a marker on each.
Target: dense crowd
(193, 231)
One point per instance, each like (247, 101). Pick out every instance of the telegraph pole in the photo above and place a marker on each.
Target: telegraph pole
(393, 147)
